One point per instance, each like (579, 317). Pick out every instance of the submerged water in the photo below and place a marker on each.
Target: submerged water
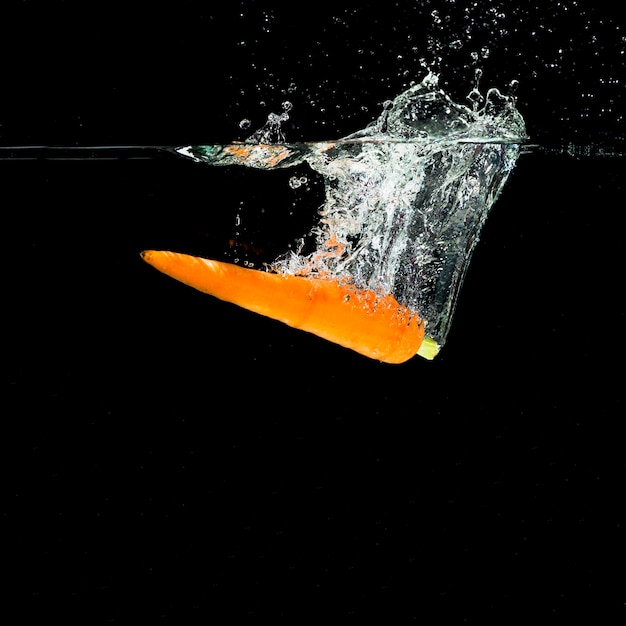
(405, 198)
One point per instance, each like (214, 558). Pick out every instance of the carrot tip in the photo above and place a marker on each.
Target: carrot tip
(429, 348)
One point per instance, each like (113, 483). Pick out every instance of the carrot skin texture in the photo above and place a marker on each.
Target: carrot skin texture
(372, 325)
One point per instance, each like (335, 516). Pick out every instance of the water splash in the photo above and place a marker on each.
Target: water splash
(405, 198)
(272, 130)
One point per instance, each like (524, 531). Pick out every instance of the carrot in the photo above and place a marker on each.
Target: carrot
(373, 325)
(244, 153)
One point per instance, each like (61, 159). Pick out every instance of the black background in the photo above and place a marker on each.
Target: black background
(171, 458)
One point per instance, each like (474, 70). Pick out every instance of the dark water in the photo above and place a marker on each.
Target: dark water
(169, 457)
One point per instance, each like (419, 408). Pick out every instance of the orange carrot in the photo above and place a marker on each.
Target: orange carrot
(373, 325)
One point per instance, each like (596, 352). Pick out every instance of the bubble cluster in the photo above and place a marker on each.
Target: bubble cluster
(297, 181)
(272, 130)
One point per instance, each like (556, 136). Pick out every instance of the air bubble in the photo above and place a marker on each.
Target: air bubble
(295, 182)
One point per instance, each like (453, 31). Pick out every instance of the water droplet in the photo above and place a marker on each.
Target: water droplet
(244, 124)
(474, 96)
